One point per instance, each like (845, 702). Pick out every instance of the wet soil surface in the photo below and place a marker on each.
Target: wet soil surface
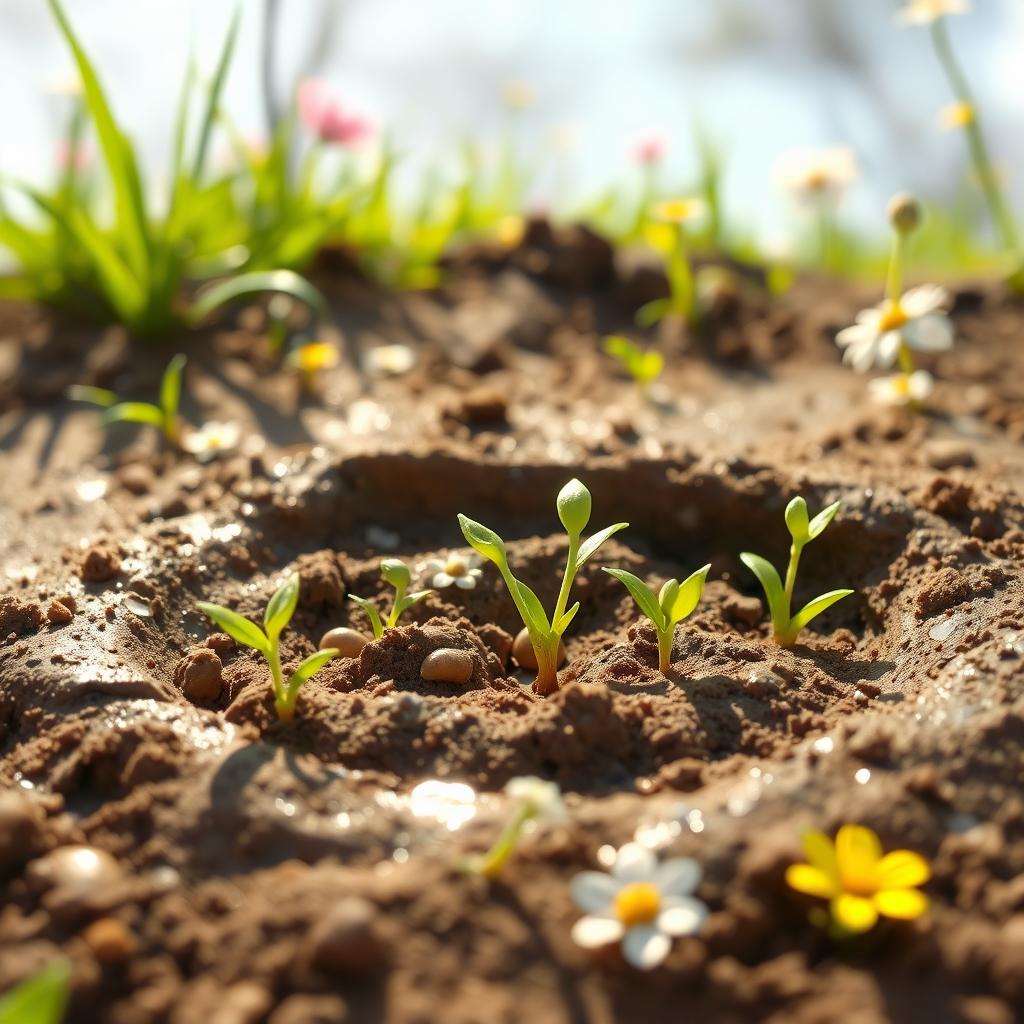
(196, 859)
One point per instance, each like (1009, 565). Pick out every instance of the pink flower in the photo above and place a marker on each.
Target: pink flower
(650, 150)
(73, 157)
(325, 117)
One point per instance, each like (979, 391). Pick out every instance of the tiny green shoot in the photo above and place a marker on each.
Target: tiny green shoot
(574, 507)
(666, 609)
(643, 365)
(41, 999)
(803, 531)
(162, 415)
(279, 612)
(397, 574)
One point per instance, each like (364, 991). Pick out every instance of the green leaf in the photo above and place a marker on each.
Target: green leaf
(309, 668)
(772, 585)
(236, 626)
(574, 505)
(648, 367)
(281, 607)
(589, 547)
(410, 599)
(642, 594)
(643, 365)
(135, 412)
(822, 519)
(396, 572)
(170, 387)
(796, 520)
(536, 617)
(483, 541)
(374, 616)
(259, 282)
(559, 627)
(213, 100)
(688, 595)
(42, 999)
(814, 608)
(94, 396)
(651, 312)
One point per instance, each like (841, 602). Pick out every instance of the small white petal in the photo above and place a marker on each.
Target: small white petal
(645, 947)
(465, 582)
(434, 565)
(920, 385)
(931, 333)
(442, 579)
(592, 931)
(888, 348)
(678, 877)
(634, 863)
(924, 299)
(593, 891)
(682, 916)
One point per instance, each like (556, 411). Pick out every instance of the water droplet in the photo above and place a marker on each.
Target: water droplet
(452, 804)
(862, 776)
(824, 746)
(943, 630)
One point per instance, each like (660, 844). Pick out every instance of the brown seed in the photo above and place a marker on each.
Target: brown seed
(110, 940)
(346, 938)
(447, 665)
(21, 827)
(522, 651)
(349, 642)
(74, 870)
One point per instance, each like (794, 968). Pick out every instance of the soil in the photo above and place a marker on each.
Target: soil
(196, 859)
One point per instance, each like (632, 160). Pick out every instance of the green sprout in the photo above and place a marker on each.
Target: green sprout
(396, 573)
(279, 612)
(41, 999)
(780, 598)
(163, 416)
(574, 506)
(666, 609)
(643, 365)
(669, 234)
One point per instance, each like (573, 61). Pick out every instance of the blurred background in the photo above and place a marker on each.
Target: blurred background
(760, 76)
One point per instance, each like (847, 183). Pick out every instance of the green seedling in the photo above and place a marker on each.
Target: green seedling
(574, 506)
(668, 233)
(643, 365)
(279, 612)
(666, 609)
(163, 416)
(396, 573)
(42, 999)
(780, 598)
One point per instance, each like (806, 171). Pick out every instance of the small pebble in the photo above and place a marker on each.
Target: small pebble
(346, 938)
(21, 828)
(349, 642)
(111, 940)
(100, 564)
(59, 614)
(199, 674)
(522, 651)
(74, 870)
(447, 665)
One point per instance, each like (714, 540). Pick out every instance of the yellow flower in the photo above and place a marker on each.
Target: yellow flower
(956, 115)
(678, 211)
(858, 880)
(924, 12)
(509, 230)
(314, 356)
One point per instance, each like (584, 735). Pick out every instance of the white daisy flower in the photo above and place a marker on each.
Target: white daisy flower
(919, 321)
(541, 800)
(458, 570)
(902, 388)
(924, 12)
(211, 439)
(816, 175)
(641, 903)
(389, 360)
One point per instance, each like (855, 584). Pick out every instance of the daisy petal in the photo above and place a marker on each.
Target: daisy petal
(920, 385)
(811, 880)
(820, 852)
(645, 947)
(682, 916)
(854, 913)
(889, 348)
(932, 333)
(858, 850)
(442, 579)
(678, 877)
(593, 931)
(905, 904)
(924, 299)
(634, 863)
(465, 582)
(902, 869)
(593, 891)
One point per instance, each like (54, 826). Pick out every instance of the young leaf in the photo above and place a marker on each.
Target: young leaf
(170, 387)
(134, 412)
(310, 666)
(796, 520)
(41, 999)
(236, 626)
(258, 282)
(371, 610)
(589, 547)
(537, 617)
(395, 572)
(641, 593)
(94, 396)
(769, 579)
(822, 519)
(559, 627)
(814, 608)
(213, 99)
(651, 312)
(688, 595)
(410, 599)
(483, 541)
(281, 607)
(574, 505)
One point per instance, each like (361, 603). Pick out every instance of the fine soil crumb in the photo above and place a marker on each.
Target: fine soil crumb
(100, 564)
(198, 675)
(19, 617)
(59, 613)
(948, 587)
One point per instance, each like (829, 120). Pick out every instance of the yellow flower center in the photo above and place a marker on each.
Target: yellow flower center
(455, 567)
(893, 317)
(958, 115)
(816, 180)
(317, 355)
(637, 903)
(676, 211)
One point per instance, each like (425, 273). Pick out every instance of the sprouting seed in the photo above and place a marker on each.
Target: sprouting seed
(666, 609)
(574, 506)
(279, 612)
(643, 365)
(163, 415)
(786, 627)
(397, 574)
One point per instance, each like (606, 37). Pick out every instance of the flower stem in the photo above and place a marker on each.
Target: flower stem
(975, 139)
(497, 856)
(681, 276)
(567, 579)
(782, 628)
(894, 279)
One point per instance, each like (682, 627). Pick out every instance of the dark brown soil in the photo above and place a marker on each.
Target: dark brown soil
(250, 871)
